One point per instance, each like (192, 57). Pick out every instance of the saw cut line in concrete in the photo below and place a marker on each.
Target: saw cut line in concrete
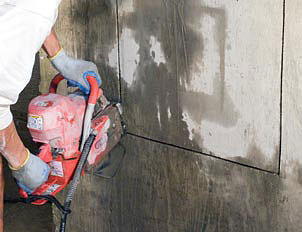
(281, 86)
(204, 154)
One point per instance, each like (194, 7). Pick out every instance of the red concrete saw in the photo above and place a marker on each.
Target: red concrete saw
(75, 134)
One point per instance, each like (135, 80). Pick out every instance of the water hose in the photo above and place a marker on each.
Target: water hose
(76, 179)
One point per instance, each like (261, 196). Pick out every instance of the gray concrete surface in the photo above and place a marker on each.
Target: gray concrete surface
(212, 98)
(200, 77)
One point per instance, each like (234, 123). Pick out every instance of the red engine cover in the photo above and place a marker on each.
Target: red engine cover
(57, 120)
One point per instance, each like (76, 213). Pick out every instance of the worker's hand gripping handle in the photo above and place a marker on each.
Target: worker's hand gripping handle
(94, 87)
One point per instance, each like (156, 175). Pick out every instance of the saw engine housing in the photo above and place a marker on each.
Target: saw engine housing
(56, 122)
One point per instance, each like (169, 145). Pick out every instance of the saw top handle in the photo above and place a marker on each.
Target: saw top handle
(94, 87)
(54, 83)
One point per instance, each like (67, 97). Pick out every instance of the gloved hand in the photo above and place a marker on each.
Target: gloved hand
(33, 173)
(75, 71)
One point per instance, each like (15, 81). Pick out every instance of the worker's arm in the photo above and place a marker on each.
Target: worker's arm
(29, 170)
(51, 44)
(26, 25)
(12, 147)
(74, 70)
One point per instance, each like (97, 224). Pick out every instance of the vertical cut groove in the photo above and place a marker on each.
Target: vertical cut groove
(281, 86)
(118, 51)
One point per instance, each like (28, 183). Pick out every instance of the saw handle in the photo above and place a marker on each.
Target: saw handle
(94, 90)
(94, 87)
(54, 83)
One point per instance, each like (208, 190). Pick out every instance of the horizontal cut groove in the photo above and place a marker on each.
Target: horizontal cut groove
(204, 154)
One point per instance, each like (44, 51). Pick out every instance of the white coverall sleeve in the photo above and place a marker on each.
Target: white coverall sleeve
(24, 25)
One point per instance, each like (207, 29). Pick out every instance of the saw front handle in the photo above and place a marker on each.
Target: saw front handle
(94, 87)
(94, 90)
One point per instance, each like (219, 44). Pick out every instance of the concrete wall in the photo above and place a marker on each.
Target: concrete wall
(211, 96)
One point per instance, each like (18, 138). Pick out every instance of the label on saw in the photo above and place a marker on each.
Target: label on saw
(52, 188)
(101, 144)
(56, 168)
(99, 147)
(35, 122)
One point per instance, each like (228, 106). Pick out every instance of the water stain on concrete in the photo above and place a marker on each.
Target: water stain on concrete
(161, 185)
(173, 24)
(257, 158)
(206, 107)
(297, 172)
(101, 37)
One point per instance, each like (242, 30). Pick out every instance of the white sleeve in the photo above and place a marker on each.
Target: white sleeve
(45, 8)
(23, 29)
(6, 117)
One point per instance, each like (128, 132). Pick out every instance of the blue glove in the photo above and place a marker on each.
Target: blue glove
(75, 71)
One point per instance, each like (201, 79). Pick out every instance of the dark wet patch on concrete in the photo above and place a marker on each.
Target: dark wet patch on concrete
(100, 38)
(173, 24)
(202, 106)
(297, 172)
(161, 87)
(257, 158)
(94, 29)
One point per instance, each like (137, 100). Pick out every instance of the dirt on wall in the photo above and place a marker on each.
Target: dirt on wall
(157, 99)
(160, 187)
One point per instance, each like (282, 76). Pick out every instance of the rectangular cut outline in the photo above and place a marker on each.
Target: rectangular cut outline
(278, 172)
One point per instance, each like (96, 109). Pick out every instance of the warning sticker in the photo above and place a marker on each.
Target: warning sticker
(56, 168)
(52, 188)
(35, 122)
(101, 144)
